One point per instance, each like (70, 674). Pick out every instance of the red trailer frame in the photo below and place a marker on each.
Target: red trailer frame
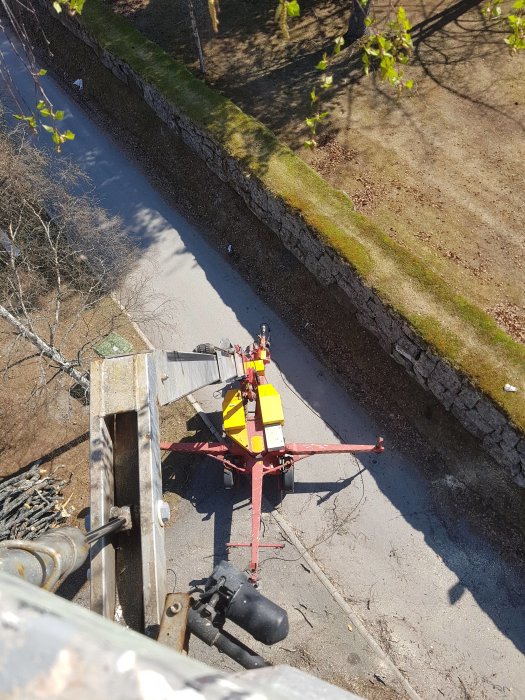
(239, 460)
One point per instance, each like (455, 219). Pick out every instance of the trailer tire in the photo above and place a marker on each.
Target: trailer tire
(205, 348)
(288, 480)
(228, 478)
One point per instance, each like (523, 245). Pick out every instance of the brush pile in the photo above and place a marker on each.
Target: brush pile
(30, 504)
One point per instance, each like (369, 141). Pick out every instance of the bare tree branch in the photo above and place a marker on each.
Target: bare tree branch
(45, 349)
(61, 255)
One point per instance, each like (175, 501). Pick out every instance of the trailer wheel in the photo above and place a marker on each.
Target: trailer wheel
(205, 348)
(288, 480)
(228, 478)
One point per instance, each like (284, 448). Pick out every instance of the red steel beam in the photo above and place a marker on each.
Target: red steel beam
(257, 483)
(256, 469)
(249, 544)
(210, 448)
(297, 448)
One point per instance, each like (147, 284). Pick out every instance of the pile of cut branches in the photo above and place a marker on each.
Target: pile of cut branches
(31, 503)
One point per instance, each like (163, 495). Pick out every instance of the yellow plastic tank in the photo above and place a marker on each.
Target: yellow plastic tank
(270, 405)
(234, 418)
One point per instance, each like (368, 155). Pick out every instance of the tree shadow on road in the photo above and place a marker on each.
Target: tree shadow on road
(499, 594)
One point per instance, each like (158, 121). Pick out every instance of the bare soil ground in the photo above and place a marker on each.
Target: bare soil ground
(51, 425)
(439, 170)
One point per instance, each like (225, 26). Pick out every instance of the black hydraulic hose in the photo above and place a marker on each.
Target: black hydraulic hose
(202, 628)
(239, 652)
(113, 525)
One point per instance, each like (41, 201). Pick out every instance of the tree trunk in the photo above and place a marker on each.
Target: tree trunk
(356, 24)
(196, 36)
(46, 350)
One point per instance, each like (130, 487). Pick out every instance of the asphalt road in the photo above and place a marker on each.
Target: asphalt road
(445, 606)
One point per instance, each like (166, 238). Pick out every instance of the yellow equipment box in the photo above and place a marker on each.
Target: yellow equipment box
(258, 365)
(233, 417)
(270, 404)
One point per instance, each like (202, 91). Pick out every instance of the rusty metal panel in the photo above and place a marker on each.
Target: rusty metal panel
(102, 553)
(180, 373)
(174, 626)
(239, 365)
(150, 478)
(115, 375)
(228, 368)
(126, 471)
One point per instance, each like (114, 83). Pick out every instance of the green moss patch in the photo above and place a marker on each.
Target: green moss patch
(453, 326)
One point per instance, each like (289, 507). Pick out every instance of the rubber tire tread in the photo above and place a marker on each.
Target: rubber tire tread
(228, 479)
(288, 480)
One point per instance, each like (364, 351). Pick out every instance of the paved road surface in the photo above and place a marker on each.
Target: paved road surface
(448, 609)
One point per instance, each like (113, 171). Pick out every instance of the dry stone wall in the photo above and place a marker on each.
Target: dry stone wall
(475, 411)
